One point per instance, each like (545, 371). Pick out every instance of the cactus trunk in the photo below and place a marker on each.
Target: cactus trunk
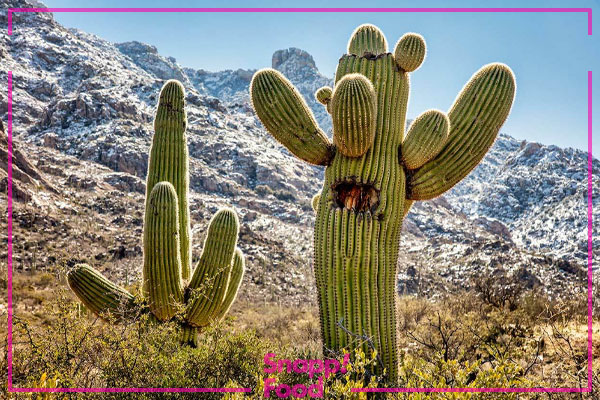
(356, 245)
(189, 335)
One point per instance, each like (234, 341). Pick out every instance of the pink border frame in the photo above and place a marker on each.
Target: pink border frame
(329, 10)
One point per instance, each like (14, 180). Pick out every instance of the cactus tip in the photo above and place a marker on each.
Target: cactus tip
(367, 39)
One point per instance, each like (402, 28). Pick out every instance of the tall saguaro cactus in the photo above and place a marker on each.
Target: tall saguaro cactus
(169, 161)
(374, 172)
(167, 250)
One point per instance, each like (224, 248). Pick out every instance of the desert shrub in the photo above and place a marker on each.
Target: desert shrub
(337, 386)
(504, 292)
(281, 194)
(441, 373)
(284, 195)
(412, 310)
(415, 372)
(454, 331)
(538, 341)
(263, 190)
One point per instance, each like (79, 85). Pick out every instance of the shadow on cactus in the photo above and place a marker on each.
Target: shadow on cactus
(374, 173)
(168, 290)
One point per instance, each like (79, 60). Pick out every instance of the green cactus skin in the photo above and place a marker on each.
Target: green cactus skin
(353, 110)
(99, 294)
(169, 160)
(221, 268)
(365, 198)
(425, 138)
(235, 281)
(286, 116)
(162, 285)
(213, 272)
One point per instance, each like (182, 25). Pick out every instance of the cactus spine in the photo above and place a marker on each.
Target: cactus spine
(374, 174)
(167, 235)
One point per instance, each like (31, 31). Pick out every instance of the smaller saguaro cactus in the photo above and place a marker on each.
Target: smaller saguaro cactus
(166, 292)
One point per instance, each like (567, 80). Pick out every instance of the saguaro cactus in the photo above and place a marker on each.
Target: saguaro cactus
(374, 172)
(167, 250)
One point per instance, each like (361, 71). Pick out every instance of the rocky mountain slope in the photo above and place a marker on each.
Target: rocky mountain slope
(232, 86)
(83, 110)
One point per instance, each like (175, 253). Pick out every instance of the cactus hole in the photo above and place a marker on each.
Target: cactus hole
(355, 196)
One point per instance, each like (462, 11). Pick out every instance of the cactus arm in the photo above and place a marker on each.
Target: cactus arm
(410, 51)
(99, 294)
(426, 136)
(475, 119)
(162, 285)
(315, 201)
(286, 116)
(323, 95)
(169, 160)
(212, 275)
(353, 111)
(237, 274)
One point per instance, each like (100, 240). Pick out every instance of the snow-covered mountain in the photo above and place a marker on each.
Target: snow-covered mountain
(539, 192)
(83, 110)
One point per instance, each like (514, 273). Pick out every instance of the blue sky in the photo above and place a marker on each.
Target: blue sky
(550, 53)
